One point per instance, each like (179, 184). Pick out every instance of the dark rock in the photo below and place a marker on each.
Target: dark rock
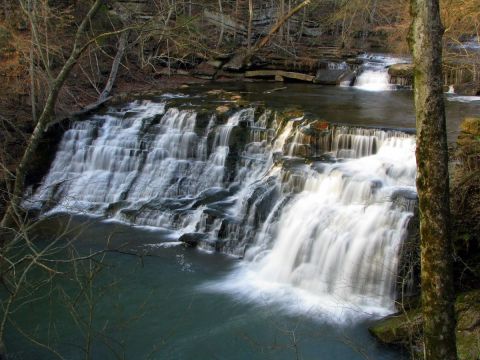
(192, 239)
(211, 195)
(205, 69)
(332, 77)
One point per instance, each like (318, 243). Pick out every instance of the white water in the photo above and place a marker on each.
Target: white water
(374, 73)
(463, 99)
(323, 236)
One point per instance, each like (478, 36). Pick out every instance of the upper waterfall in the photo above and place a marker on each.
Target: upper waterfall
(373, 74)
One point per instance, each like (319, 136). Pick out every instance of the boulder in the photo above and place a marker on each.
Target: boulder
(205, 70)
(333, 77)
(471, 125)
(236, 63)
(192, 239)
(401, 70)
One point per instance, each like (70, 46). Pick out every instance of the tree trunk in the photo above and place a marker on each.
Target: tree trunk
(264, 41)
(425, 39)
(220, 37)
(250, 19)
(122, 45)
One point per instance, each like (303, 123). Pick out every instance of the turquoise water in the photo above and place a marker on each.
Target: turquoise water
(156, 306)
(154, 299)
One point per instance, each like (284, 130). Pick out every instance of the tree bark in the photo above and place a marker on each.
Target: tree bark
(13, 214)
(222, 26)
(250, 19)
(425, 39)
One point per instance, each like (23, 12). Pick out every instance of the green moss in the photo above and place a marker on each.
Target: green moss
(471, 125)
(405, 329)
(398, 329)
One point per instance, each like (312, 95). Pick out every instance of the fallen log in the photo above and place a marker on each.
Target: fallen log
(280, 73)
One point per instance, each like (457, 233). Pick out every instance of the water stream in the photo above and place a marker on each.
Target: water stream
(317, 211)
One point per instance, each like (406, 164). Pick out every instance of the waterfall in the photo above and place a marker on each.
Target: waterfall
(313, 207)
(373, 74)
(341, 234)
(331, 247)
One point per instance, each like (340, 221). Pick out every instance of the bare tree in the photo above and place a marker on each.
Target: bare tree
(13, 214)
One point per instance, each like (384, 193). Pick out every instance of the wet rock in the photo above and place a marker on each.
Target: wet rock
(192, 239)
(399, 329)
(471, 125)
(401, 70)
(211, 195)
(332, 77)
(115, 207)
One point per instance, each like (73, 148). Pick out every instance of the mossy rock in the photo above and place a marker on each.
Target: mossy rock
(401, 70)
(405, 329)
(398, 329)
(471, 125)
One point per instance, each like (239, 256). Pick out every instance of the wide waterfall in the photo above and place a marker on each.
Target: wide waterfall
(313, 207)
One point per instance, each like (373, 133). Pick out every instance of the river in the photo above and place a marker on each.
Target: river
(298, 223)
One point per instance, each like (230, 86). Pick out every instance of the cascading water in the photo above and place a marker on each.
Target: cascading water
(373, 74)
(310, 206)
(340, 236)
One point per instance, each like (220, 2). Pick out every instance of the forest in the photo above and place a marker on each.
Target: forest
(240, 179)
